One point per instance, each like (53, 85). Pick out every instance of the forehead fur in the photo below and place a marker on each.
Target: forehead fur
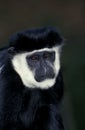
(37, 38)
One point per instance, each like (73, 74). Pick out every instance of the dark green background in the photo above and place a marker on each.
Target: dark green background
(69, 17)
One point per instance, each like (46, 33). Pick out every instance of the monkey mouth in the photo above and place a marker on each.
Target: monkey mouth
(43, 78)
(40, 79)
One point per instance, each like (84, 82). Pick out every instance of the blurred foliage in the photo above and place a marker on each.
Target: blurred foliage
(69, 17)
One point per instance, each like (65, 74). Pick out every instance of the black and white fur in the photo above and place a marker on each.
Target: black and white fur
(21, 67)
(26, 104)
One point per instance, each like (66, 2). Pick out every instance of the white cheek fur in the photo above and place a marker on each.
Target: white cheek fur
(21, 67)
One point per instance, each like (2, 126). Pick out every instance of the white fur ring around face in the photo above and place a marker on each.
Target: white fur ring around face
(27, 76)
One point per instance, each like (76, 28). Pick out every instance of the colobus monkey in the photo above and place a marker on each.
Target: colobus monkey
(31, 83)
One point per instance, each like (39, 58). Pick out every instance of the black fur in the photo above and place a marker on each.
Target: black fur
(24, 108)
(35, 39)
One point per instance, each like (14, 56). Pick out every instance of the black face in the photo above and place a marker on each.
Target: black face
(41, 63)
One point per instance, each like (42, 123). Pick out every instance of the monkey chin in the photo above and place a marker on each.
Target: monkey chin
(48, 83)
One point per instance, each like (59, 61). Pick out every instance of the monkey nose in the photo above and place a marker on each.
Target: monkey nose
(40, 76)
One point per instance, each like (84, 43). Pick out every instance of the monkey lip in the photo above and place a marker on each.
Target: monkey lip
(42, 78)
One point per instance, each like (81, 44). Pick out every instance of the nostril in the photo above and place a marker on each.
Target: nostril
(42, 77)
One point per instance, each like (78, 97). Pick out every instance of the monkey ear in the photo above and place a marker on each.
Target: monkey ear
(11, 51)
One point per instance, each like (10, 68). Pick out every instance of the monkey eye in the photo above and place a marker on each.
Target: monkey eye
(47, 55)
(34, 58)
